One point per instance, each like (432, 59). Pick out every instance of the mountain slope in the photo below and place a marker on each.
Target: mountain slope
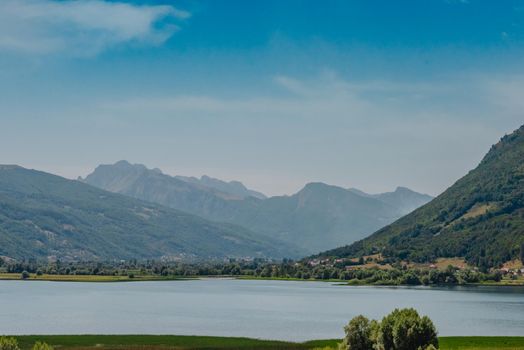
(480, 217)
(404, 199)
(43, 215)
(234, 188)
(316, 218)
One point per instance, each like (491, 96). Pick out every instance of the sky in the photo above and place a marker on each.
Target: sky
(367, 94)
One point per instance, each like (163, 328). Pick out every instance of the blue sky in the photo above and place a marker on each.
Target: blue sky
(366, 94)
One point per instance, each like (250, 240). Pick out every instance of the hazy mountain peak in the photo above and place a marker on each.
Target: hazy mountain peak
(122, 162)
(118, 176)
(316, 186)
(402, 189)
(403, 198)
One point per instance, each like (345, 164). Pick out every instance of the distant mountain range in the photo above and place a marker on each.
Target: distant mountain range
(46, 216)
(316, 218)
(234, 188)
(480, 217)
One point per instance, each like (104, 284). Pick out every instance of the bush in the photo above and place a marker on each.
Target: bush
(400, 330)
(360, 334)
(8, 344)
(24, 275)
(405, 330)
(42, 346)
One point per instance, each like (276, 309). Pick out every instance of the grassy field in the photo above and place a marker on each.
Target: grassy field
(160, 342)
(473, 343)
(86, 278)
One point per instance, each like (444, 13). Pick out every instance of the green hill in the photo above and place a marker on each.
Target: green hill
(480, 217)
(45, 216)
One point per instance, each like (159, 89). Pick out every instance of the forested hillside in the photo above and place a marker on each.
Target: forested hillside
(46, 216)
(480, 217)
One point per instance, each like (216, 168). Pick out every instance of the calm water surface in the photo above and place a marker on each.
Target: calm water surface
(260, 309)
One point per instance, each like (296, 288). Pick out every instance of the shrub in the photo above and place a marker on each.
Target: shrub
(42, 346)
(8, 344)
(361, 334)
(405, 330)
(24, 275)
(402, 329)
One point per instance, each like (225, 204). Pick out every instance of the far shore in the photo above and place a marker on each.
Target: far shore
(146, 278)
(90, 278)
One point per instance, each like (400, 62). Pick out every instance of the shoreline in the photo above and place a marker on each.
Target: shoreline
(152, 278)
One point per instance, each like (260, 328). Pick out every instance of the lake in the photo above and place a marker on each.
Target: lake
(260, 309)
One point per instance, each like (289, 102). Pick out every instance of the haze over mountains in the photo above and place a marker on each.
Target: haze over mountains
(480, 217)
(235, 188)
(47, 216)
(316, 218)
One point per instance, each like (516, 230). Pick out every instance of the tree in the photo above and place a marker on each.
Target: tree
(400, 330)
(25, 275)
(7, 343)
(522, 253)
(42, 346)
(410, 278)
(405, 330)
(360, 334)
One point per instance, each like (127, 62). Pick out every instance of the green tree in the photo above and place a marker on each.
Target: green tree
(404, 329)
(360, 334)
(42, 346)
(7, 343)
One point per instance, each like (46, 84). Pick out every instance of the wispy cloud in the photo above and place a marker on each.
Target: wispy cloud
(82, 27)
(364, 132)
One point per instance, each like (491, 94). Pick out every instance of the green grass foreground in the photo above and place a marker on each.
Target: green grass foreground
(159, 342)
(472, 343)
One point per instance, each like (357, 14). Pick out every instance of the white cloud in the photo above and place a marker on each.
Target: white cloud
(82, 27)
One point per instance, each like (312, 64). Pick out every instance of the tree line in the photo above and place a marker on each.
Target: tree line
(397, 274)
